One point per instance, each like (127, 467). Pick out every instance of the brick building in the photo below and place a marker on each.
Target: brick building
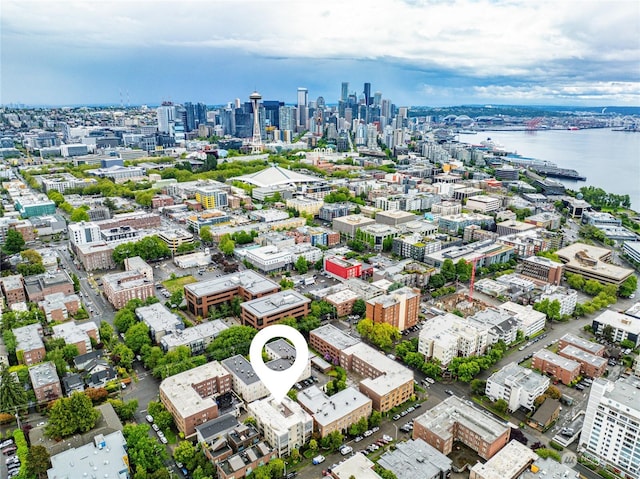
(399, 308)
(59, 306)
(542, 269)
(45, 382)
(120, 288)
(29, 346)
(343, 301)
(342, 267)
(590, 365)
(13, 289)
(563, 369)
(96, 256)
(268, 310)
(596, 349)
(329, 341)
(42, 285)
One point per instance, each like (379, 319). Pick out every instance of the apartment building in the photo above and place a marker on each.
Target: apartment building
(542, 269)
(399, 308)
(611, 422)
(306, 205)
(29, 345)
(190, 396)
(268, 310)
(415, 459)
(342, 268)
(41, 285)
(136, 263)
(176, 237)
(591, 347)
(83, 233)
(196, 338)
(483, 204)
(284, 425)
(137, 219)
(448, 336)
(159, 320)
(517, 385)
(247, 284)
(13, 289)
(343, 301)
(562, 369)
(242, 463)
(529, 320)
(454, 420)
(387, 382)
(330, 341)
(348, 225)
(245, 382)
(78, 334)
(568, 298)
(96, 256)
(623, 326)
(45, 382)
(337, 412)
(120, 288)
(590, 365)
(58, 306)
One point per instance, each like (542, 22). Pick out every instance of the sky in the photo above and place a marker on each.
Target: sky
(416, 52)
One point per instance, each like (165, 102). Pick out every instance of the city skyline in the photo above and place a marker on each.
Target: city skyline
(413, 52)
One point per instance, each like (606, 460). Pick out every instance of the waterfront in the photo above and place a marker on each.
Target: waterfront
(609, 159)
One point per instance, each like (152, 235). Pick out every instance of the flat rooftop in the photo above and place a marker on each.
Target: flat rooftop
(509, 462)
(513, 373)
(241, 368)
(179, 390)
(593, 348)
(43, 374)
(28, 337)
(279, 417)
(617, 320)
(275, 303)
(358, 465)
(587, 257)
(393, 374)
(624, 391)
(581, 355)
(334, 336)
(249, 280)
(415, 459)
(441, 420)
(327, 409)
(158, 317)
(553, 358)
(200, 332)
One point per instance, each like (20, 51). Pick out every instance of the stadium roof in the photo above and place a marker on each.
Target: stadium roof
(276, 176)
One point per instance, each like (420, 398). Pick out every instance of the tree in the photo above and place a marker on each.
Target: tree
(78, 215)
(97, 395)
(76, 282)
(448, 270)
(185, 453)
(231, 341)
(227, 245)
(12, 394)
(359, 307)
(553, 311)
(436, 280)
(124, 410)
(122, 355)
(313, 445)
(501, 406)
(463, 270)
(553, 392)
(478, 386)
(628, 286)
(301, 265)
(145, 452)
(161, 416)
(205, 235)
(176, 297)
(375, 419)
(70, 415)
(124, 319)
(38, 461)
(13, 242)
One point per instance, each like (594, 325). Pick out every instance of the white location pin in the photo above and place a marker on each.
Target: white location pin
(278, 382)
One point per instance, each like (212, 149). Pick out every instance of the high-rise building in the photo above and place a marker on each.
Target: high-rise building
(166, 115)
(611, 422)
(303, 103)
(344, 93)
(287, 118)
(367, 94)
(377, 98)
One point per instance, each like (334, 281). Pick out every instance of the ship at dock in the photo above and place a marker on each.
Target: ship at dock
(555, 172)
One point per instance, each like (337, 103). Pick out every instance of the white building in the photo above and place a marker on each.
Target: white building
(285, 426)
(529, 320)
(484, 204)
(623, 326)
(568, 298)
(517, 385)
(445, 337)
(84, 233)
(611, 424)
(509, 463)
(267, 258)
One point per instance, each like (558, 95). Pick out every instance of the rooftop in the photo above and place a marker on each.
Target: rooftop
(358, 466)
(327, 409)
(393, 374)
(581, 355)
(279, 417)
(452, 410)
(513, 374)
(625, 392)
(593, 348)
(199, 332)
(158, 317)
(588, 258)
(415, 459)
(553, 358)
(28, 337)
(334, 336)
(274, 303)
(509, 462)
(619, 321)
(276, 176)
(43, 374)
(249, 280)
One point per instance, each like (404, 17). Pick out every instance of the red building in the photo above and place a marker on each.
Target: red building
(342, 267)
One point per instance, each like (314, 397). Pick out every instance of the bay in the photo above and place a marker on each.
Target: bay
(609, 159)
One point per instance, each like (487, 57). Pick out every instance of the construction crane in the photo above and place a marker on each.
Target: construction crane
(474, 262)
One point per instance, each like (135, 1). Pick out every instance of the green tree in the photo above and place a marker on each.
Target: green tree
(205, 235)
(436, 280)
(463, 270)
(145, 452)
(74, 414)
(185, 453)
(122, 355)
(231, 341)
(78, 215)
(553, 311)
(501, 406)
(176, 298)
(387, 244)
(628, 286)
(76, 282)
(301, 265)
(12, 394)
(375, 419)
(313, 445)
(161, 416)
(124, 410)
(38, 461)
(478, 386)
(106, 332)
(227, 245)
(137, 336)
(359, 307)
(13, 242)
(124, 319)
(448, 270)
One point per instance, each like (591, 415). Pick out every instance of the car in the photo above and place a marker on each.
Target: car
(291, 475)
(149, 418)
(579, 387)
(155, 427)
(396, 417)
(368, 433)
(123, 385)
(404, 413)
(41, 423)
(430, 380)
(411, 409)
(163, 440)
(417, 405)
(6, 443)
(179, 465)
(358, 438)
(318, 459)
(344, 450)
(449, 392)
(375, 429)
(387, 438)
(521, 348)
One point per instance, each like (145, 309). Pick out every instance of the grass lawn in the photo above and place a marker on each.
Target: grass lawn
(177, 284)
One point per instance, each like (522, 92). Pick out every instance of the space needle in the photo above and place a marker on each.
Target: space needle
(256, 140)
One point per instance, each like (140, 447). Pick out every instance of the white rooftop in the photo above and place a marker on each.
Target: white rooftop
(276, 176)
(327, 409)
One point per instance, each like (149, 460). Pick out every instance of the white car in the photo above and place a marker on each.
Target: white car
(149, 418)
(368, 433)
(344, 450)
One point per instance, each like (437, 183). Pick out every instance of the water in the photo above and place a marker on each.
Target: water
(609, 159)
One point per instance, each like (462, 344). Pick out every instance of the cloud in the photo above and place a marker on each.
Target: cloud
(476, 41)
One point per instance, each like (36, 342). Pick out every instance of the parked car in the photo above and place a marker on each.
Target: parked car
(368, 433)
(375, 429)
(318, 459)
(387, 438)
(358, 438)
(449, 392)
(149, 418)
(396, 417)
(155, 427)
(344, 450)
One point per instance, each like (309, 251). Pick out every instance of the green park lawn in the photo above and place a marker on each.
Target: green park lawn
(177, 284)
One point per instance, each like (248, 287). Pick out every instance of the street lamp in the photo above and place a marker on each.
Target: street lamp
(394, 425)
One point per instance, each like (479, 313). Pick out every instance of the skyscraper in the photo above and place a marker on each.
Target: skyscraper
(303, 102)
(166, 115)
(344, 94)
(367, 94)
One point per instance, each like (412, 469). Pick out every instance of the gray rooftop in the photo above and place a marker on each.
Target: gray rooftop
(217, 427)
(200, 332)
(249, 280)
(43, 374)
(159, 318)
(280, 348)
(28, 337)
(393, 374)
(327, 409)
(556, 359)
(334, 336)
(415, 459)
(12, 282)
(512, 374)
(580, 354)
(241, 368)
(275, 303)
(442, 417)
(625, 391)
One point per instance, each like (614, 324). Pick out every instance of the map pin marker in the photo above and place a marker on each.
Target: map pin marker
(278, 382)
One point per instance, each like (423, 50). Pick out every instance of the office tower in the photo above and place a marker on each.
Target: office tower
(286, 118)
(385, 108)
(200, 114)
(377, 98)
(367, 94)
(189, 117)
(166, 115)
(256, 139)
(303, 103)
(611, 423)
(320, 103)
(271, 112)
(344, 94)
